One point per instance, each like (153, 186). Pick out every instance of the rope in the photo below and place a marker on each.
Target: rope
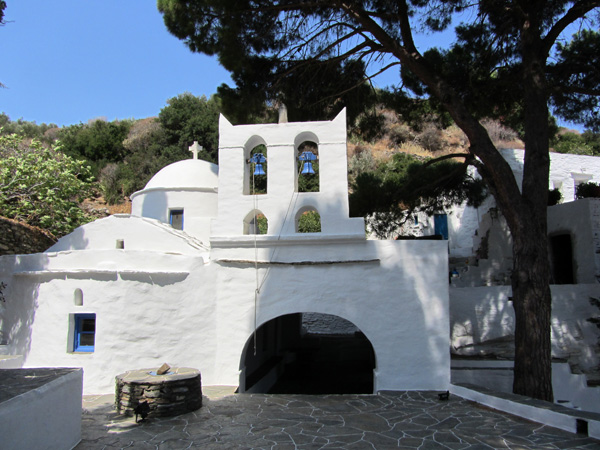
(294, 200)
(257, 289)
(259, 285)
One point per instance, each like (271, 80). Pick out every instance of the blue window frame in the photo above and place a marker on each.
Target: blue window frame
(176, 218)
(85, 333)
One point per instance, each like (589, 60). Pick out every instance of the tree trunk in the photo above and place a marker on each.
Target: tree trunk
(532, 299)
(532, 303)
(525, 210)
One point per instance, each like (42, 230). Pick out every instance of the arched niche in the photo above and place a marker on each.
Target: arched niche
(256, 222)
(254, 183)
(304, 143)
(285, 358)
(78, 297)
(307, 220)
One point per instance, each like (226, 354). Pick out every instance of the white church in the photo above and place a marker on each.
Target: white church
(185, 279)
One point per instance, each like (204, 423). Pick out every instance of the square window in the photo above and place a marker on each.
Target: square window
(85, 332)
(176, 218)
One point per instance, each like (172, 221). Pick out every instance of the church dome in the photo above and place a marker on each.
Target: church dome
(186, 174)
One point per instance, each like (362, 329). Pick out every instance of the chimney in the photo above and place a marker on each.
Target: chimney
(282, 114)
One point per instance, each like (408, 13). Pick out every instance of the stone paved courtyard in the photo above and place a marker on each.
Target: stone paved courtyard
(404, 420)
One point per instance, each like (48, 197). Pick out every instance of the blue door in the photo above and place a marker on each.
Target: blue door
(440, 223)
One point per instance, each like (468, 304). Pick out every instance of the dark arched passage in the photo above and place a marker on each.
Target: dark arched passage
(330, 356)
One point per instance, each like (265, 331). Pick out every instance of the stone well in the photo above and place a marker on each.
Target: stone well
(178, 391)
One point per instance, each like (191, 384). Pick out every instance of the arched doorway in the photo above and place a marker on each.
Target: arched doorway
(322, 355)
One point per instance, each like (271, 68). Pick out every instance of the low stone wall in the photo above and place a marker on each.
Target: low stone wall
(18, 238)
(177, 392)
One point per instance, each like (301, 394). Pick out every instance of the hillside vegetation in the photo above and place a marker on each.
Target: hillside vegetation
(118, 158)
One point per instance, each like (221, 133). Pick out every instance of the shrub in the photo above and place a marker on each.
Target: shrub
(572, 143)
(431, 138)
(111, 184)
(554, 197)
(587, 190)
(361, 162)
(400, 133)
(498, 132)
(370, 127)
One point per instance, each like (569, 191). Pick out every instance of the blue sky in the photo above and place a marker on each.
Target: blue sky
(69, 61)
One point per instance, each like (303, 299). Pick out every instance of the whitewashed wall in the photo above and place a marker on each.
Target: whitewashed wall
(483, 314)
(581, 220)
(282, 203)
(393, 291)
(179, 310)
(166, 298)
(190, 185)
(136, 233)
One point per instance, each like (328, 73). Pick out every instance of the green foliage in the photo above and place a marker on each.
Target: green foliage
(587, 190)
(309, 222)
(246, 39)
(587, 143)
(576, 77)
(99, 142)
(111, 184)
(152, 144)
(315, 92)
(42, 186)
(554, 197)
(44, 132)
(263, 224)
(147, 153)
(405, 184)
(362, 161)
(370, 126)
(309, 182)
(592, 140)
(414, 111)
(188, 118)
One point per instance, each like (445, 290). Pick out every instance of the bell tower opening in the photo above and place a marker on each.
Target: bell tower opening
(324, 355)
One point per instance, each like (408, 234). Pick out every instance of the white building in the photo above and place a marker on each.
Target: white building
(461, 224)
(133, 291)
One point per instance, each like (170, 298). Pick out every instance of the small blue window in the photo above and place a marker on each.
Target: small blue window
(176, 218)
(85, 332)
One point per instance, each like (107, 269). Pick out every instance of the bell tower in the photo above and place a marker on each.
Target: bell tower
(287, 152)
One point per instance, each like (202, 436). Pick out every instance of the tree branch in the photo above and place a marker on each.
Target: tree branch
(578, 10)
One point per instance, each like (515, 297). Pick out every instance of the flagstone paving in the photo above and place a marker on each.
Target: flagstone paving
(403, 420)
